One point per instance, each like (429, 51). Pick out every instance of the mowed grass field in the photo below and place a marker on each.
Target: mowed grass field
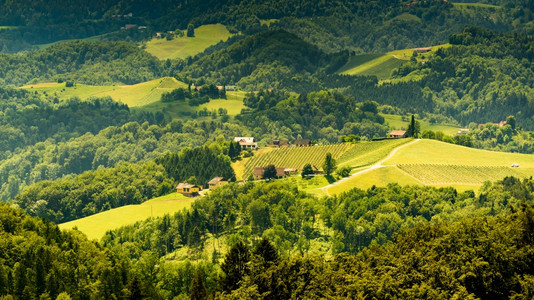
(434, 163)
(396, 122)
(182, 47)
(133, 95)
(366, 153)
(379, 65)
(97, 225)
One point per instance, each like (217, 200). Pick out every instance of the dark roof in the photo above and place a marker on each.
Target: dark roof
(186, 185)
(302, 142)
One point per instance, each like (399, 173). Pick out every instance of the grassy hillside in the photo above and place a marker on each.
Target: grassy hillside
(132, 95)
(379, 65)
(95, 226)
(366, 153)
(182, 47)
(430, 162)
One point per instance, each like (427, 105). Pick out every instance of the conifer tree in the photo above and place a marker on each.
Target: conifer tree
(235, 266)
(198, 290)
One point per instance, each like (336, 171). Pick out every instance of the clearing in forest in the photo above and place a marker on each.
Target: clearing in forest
(182, 47)
(97, 225)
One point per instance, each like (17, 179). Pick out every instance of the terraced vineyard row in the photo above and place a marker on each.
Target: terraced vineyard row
(460, 174)
(295, 157)
(366, 153)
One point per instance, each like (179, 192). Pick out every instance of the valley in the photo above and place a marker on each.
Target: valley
(270, 149)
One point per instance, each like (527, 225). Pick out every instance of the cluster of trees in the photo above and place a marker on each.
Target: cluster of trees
(82, 61)
(323, 116)
(69, 199)
(198, 165)
(27, 118)
(39, 261)
(195, 97)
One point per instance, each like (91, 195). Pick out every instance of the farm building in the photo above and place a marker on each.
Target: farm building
(302, 143)
(316, 170)
(397, 134)
(258, 172)
(278, 143)
(246, 143)
(217, 182)
(187, 189)
(422, 50)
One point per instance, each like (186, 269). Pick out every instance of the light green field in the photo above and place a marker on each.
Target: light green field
(379, 65)
(97, 225)
(474, 5)
(294, 157)
(182, 47)
(396, 122)
(132, 95)
(378, 177)
(268, 22)
(407, 17)
(233, 103)
(458, 174)
(366, 153)
(436, 152)
(439, 164)
(8, 27)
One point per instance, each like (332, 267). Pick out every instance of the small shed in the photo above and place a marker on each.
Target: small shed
(397, 134)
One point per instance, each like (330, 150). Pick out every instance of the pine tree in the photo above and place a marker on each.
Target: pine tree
(190, 30)
(235, 266)
(135, 290)
(269, 172)
(267, 252)
(197, 290)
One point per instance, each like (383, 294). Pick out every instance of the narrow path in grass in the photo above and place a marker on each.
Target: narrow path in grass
(370, 168)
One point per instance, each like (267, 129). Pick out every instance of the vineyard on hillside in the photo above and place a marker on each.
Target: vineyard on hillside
(366, 153)
(295, 157)
(461, 174)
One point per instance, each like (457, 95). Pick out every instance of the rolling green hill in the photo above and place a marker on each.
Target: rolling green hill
(133, 95)
(182, 47)
(95, 226)
(430, 162)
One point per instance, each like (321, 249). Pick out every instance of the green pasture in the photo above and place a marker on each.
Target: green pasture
(97, 225)
(182, 47)
(133, 95)
(379, 65)
(396, 122)
(474, 5)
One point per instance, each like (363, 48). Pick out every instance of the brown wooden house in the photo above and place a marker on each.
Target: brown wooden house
(258, 172)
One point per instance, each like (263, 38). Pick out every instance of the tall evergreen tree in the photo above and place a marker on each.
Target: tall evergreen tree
(190, 30)
(267, 252)
(135, 290)
(269, 172)
(235, 266)
(198, 290)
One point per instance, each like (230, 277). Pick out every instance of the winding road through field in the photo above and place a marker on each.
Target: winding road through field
(374, 166)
